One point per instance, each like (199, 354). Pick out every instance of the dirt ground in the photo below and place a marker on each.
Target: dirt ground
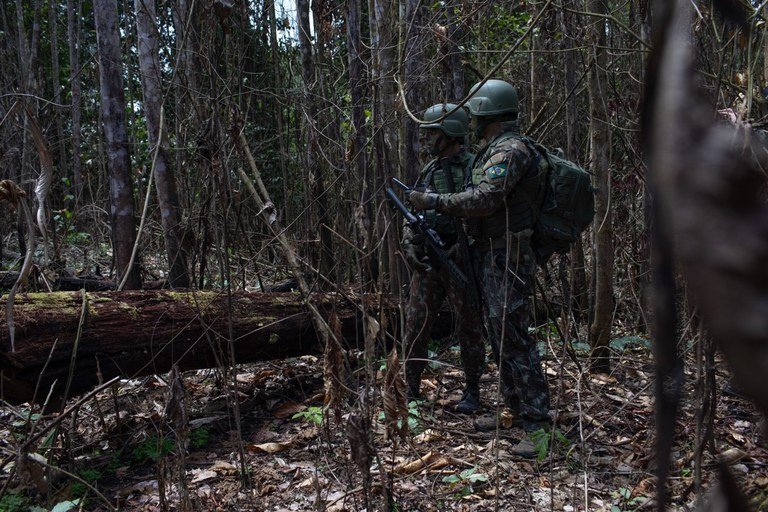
(296, 458)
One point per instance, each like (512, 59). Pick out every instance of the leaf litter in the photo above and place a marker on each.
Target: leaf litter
(601, 459)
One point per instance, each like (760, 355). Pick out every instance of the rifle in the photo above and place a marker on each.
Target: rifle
(436, 245)
(473, 290)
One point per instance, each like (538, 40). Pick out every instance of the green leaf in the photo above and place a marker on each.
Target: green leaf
(65, 506)
(451, 479)
(626, 341)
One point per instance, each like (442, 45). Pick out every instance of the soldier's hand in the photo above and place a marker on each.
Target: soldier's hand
(415, 257)
(423, 200)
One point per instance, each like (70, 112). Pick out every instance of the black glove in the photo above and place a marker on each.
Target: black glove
(415, 257)
(423, 200)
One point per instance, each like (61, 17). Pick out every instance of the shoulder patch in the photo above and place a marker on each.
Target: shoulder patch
(496, 171)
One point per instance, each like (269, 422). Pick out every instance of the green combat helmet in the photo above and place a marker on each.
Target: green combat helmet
(493, 98)
(456, 124)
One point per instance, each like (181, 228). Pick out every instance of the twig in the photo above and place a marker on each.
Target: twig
(488, 76)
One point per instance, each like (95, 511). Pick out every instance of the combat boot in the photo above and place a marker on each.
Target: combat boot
(470, 402)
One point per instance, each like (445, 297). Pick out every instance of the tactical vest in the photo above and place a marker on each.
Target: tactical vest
(433, 177)
(516, 214)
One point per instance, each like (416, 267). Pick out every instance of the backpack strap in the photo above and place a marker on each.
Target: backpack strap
(534, 203)
(427, 181)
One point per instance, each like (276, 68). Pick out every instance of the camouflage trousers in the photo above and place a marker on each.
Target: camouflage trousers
(427, 292)
(507, 287)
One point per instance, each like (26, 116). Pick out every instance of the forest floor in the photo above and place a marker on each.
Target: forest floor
(296, 460)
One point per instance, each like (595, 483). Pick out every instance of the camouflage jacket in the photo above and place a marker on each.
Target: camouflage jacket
(433, 177)
(503, 180)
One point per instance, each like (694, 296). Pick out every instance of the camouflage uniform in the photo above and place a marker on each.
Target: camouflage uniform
(428, 289)
(500, 221)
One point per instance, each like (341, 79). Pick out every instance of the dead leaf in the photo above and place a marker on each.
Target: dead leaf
(429, 436)
(224, 467)
(269, 447)
(431, 460)
(201, 475)
(287, 409)
(732, 455)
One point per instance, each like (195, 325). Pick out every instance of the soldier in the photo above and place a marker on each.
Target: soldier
(506, 181)
(430, 285)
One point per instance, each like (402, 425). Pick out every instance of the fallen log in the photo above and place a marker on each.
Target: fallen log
(130, 334)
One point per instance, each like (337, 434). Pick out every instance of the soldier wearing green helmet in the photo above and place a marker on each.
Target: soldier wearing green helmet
(498, 207)
(444, 137)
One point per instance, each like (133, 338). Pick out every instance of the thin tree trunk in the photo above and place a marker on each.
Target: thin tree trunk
(73, 36)
(116, 138)
(386, 141)
(600, 330)
(579, 288)
(278, 109)
(165, 181)
(312, 94)
(455, 41)
(55, 83)
(415, 71)
(359, 163)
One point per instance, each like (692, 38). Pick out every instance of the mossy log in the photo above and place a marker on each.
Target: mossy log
(136, 333)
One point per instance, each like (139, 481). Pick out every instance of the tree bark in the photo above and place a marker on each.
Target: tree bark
(569, 20)
(313, 94)
(600, 330)
(130, 334)
(165, 180)
(386, 138)
(415, 79)
(73, 36)
(358, 162)
(116, 135)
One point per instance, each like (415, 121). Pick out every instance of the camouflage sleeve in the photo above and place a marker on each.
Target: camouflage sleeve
(502, 170)
(408, 235)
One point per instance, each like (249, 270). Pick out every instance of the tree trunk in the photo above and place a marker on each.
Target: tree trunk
(569, 20)
(600, 330)
(386, 139)
(278, 110)
(130, 334)
(358, 163)
(116, 135)
(73, 36)
(53, 31)
(165, 181)
(313, 94)
(454, 45)
(415, 79)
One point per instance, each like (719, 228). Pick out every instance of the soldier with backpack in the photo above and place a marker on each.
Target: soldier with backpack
(501, 208)
(431, 281)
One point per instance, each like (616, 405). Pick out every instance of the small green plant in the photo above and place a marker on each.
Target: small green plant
(312, 414)
(463, 482)
(199, 437)
(416, 417)
(89, 475)
(12, 502)
(626, 502)
(152, 448)
(541, 439)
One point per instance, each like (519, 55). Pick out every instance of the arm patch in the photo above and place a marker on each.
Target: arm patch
(496, 166)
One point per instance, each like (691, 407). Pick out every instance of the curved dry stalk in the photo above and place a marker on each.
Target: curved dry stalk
(43, 185)
(15, 195)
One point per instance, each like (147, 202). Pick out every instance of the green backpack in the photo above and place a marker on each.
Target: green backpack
(567, 206)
